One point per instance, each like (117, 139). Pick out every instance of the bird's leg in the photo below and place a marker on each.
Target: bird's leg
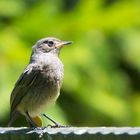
(30, 121)
(56, 124)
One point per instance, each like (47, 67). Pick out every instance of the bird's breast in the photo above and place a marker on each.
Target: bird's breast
(46, 87)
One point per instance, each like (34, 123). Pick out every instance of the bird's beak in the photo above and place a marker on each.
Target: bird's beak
(67, 42)
(62, 43)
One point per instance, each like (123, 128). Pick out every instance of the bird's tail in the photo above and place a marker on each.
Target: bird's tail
(13, 117)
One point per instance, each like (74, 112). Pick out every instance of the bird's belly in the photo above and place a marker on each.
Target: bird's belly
(38, 100)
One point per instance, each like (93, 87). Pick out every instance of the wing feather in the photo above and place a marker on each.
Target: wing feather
(23, 85)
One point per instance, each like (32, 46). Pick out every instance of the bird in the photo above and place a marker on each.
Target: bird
(38, 87)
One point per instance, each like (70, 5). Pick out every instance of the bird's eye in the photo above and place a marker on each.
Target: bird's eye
(49, 43)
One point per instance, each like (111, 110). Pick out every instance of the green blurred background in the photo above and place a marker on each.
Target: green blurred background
(102, 68)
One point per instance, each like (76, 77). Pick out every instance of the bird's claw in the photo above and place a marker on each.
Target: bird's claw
(56, 126)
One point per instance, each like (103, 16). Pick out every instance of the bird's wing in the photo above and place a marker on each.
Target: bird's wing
(27, 79)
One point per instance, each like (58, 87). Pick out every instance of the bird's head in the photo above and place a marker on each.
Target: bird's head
(49, 45)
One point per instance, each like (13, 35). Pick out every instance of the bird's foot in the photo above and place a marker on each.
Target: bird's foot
(56, 126)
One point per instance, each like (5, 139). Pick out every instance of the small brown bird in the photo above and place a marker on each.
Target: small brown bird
(39, 85)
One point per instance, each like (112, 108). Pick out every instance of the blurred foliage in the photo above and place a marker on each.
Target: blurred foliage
(102, 67)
